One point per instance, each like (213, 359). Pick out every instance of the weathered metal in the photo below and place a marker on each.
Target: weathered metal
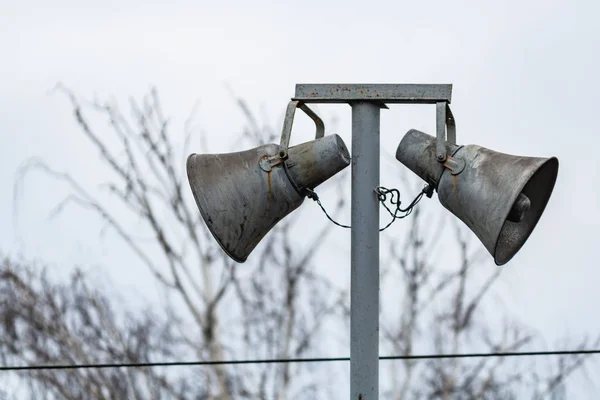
(500, 197)
(454, 165)
(364, 281)
(288, 122)
(242, 195)
(519, 209)
(366, 101)
(312, 163)
(445, 128)
(417, 150)
(384, 93)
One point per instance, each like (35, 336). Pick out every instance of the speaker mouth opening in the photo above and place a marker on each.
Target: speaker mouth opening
(538, 189)
(205, 216)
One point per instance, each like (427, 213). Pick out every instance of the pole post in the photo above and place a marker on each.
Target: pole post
(366, 101)
(364, 281)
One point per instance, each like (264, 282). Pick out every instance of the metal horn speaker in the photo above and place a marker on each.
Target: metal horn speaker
(500, 197)
(242, 195)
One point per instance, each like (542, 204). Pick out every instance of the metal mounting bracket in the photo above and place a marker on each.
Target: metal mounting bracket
(289, 121)
(267, 162)
(445, 128)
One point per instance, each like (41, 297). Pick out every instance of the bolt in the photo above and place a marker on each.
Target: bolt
(441, 157)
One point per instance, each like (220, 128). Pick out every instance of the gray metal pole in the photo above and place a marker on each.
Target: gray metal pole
(364, 284)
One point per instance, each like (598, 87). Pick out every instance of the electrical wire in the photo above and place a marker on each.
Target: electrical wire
(293, 360)
(382, 193)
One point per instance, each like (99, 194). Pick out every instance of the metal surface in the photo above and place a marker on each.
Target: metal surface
(364, 282)
(450, 126)
(242, 195)
(484, 194)
(445, 129)
(500, 197)
(312, 163)
(288, 122)
(418, 151)
(386, 93)
(454, 165)
(519, 209)
(267, 162)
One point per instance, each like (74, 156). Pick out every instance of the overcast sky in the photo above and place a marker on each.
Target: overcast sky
(525, 76)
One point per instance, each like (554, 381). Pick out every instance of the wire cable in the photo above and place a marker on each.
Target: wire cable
(382, 193)
(293, 360)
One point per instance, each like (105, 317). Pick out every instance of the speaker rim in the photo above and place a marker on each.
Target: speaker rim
(551, 164)
(204, 214)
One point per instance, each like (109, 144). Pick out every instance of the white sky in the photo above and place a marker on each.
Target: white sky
(525, 77)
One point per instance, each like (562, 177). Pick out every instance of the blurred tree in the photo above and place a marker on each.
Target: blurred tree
(277, 302)
(275, 307)
(443, 313)
(51, 323)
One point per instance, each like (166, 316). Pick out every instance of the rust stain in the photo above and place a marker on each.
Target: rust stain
(451, 170)
(269, 189)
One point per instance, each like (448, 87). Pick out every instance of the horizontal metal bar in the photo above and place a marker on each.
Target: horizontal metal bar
(386, 93)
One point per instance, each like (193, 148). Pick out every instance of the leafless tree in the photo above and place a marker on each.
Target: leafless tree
(276, 306)
(443, 300)
(267, 309)
(48, 323)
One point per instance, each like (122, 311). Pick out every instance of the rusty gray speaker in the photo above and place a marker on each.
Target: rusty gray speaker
(242, 195)
(500, 197)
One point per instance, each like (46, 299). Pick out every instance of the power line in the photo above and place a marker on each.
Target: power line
(499, 354)
(291, 360)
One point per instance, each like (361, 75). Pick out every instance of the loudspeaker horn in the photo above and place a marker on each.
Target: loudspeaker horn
(500, 197)
(242, 195)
